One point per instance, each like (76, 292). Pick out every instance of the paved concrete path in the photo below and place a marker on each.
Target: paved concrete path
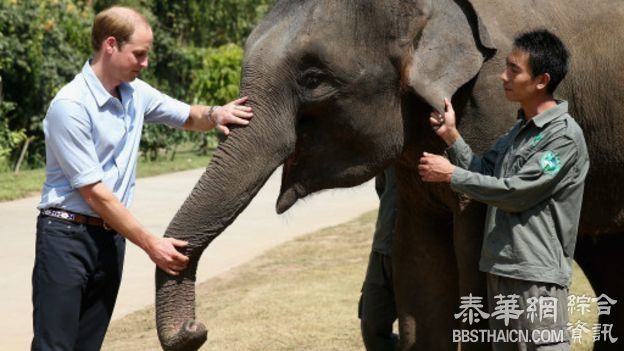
(157, 199)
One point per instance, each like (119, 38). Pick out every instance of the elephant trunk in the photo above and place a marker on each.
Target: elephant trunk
(239, 168)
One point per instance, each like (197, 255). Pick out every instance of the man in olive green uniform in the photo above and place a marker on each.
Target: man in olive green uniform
(377, 310)
(532, 180)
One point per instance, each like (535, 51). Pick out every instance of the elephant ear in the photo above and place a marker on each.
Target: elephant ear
(449, 52)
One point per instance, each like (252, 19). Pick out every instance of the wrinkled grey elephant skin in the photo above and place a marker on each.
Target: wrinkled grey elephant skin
(341, 89)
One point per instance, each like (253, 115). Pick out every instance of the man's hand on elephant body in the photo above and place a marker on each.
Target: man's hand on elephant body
(435, 168)
(203, 118)
(234, 112)
(444, 124)
(163, 252)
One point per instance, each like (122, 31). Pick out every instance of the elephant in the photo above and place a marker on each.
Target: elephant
(342, 89)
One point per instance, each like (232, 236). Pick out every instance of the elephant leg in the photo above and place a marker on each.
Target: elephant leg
(602, 261)
(425, 282)
(468, 238)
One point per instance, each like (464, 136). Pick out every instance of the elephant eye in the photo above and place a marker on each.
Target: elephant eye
(312, 79)
(316, 85)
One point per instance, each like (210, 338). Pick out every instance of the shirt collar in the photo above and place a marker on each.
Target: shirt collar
(97, 89)
(545, 117)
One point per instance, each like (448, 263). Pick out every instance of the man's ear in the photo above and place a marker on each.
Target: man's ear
(542, 81)
(110, 44)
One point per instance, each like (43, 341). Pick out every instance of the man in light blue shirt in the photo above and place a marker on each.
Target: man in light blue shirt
(93, 130)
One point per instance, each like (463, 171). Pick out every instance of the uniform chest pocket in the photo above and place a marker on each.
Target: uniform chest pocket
(518, 159)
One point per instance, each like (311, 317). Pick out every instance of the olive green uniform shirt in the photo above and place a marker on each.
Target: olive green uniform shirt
(532, 180)
(386, 187)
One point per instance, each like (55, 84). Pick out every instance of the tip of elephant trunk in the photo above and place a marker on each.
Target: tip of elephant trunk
(190, 337)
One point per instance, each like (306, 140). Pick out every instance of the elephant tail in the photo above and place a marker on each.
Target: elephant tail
(175, 312)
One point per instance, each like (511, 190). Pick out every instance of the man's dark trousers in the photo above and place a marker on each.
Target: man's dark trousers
(75, 281)
(377, 310)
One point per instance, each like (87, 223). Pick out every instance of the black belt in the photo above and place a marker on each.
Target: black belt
(75, 217)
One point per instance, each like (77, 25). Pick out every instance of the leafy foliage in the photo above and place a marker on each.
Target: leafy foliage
(9, 139)
(42, 46)
(214, 76)
(210, 23)
(217, 76)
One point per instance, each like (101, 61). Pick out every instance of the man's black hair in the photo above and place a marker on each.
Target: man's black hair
(547, 54)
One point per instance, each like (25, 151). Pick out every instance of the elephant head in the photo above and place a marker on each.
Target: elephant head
(334, 86)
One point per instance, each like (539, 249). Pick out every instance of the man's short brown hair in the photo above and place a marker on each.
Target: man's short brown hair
(118, 22)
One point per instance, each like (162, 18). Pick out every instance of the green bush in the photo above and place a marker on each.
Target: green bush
(43, 44)
(214, 76)
(214, 81)
(209, 23)
(9, 139)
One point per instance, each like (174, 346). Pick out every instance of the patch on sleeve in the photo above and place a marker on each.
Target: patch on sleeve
(537, 139)
(550, 163)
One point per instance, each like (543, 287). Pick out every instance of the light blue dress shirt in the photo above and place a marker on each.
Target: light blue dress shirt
(91, 136)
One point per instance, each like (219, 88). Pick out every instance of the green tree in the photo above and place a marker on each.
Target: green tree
(9, 139)
(209, 23)
(215, 81)
(42, 46)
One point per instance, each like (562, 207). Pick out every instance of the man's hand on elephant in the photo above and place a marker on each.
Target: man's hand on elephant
(234, 112)
(435, 168)
(164, 253)
(444, 124)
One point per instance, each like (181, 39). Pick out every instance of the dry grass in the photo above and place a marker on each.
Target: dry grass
(301, 295)
(580, 286)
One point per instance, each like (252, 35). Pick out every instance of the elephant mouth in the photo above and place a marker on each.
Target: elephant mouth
(299, 181)
(287, 199)
(290, 191)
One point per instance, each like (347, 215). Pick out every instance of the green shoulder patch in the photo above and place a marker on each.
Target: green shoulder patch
(537, 139)
(550, 163)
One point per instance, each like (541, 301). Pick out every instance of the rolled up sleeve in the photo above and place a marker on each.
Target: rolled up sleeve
(68, 137)
(532, 184)
(163, 109)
